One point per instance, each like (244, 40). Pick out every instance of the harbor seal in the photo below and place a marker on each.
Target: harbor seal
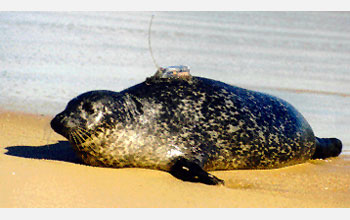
(189, 125)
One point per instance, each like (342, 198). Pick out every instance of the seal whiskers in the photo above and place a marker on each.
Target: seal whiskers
(81, 137)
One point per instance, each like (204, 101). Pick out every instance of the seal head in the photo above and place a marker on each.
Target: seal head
(87, 112)
(94, 122)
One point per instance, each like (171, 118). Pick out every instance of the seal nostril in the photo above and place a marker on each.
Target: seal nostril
(56, 123)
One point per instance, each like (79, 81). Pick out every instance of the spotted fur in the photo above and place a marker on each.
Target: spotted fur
(213, 124)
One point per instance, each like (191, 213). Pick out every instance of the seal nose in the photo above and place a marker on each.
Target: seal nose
(57, 124)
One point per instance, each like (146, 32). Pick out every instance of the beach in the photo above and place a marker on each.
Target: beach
(48, 58)
(41, 170)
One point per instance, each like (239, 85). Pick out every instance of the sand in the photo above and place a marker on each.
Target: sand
(38, 169)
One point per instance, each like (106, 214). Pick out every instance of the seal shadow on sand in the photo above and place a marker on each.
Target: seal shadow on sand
(61, 151)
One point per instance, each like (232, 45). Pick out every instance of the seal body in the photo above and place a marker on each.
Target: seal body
(187, 126)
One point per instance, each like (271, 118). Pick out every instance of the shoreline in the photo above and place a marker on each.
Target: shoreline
(40, 170)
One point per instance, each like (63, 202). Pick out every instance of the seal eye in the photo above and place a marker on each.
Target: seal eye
(88, 108)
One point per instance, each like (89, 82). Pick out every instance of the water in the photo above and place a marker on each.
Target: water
(47, 58)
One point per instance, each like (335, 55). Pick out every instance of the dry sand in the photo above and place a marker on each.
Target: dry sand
(39, 169)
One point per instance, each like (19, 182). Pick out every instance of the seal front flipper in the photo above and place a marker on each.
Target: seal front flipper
(189, 171)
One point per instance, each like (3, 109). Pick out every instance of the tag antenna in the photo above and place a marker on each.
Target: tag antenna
(149, 43)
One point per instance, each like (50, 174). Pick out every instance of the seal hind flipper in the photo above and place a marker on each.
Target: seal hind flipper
(189, 171)
(327, 147)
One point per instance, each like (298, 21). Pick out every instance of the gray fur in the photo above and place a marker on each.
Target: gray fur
(215, 125)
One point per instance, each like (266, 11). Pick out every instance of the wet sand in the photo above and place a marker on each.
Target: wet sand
(39, 169)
